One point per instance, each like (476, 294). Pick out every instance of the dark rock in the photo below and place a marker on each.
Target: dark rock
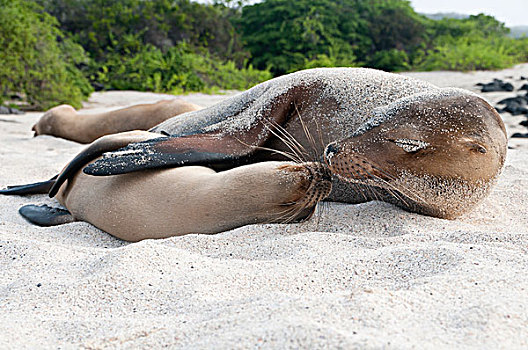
(524, 123)
(9, 110)
(514, 105)
(524, 87)
(496, 85)
(519, 135)
(517, 99)
(15, 111)
(515, 109)
(523, 77)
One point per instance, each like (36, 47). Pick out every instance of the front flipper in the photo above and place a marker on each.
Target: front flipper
(219, 137)
(44, 215)
(202, 149)
(96, 149)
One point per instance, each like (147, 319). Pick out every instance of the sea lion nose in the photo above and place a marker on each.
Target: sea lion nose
(331, 149)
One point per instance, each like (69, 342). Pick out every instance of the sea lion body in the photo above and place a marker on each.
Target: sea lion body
(337, 106)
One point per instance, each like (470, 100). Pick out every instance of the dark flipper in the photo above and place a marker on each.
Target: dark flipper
(97, 148)
(44, 215)
(216, 150)
(195, 142)
(206, 150)
(35, 188)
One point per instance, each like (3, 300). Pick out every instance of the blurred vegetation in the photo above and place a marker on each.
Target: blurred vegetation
(52, 50)
(36, 60)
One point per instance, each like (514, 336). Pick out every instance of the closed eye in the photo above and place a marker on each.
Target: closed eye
(410, 145)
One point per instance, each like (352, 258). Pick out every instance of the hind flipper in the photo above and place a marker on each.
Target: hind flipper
(35, 188)
(44, 215)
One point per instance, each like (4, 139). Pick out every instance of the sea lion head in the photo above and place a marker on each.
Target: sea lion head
(54, 121)
(433, 153)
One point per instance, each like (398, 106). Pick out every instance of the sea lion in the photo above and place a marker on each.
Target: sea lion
(435, 151)
(64, 121)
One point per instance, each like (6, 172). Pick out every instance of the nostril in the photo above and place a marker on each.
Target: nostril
(331, 149)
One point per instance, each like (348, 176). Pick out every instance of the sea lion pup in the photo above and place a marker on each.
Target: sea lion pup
(172, 202)
(435, 151)
(63, 121)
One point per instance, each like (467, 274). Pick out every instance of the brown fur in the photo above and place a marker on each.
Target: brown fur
(63, 121)
(178, 201)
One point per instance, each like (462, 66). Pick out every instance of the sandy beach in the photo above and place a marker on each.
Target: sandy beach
(365, 276)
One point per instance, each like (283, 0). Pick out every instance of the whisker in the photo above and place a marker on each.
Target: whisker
(363, 179)
(291, 156)
(289, 144)
(289, 214)
(309, 136)
(320, 134)
(284, 132)
(375, 177)
(287, 134)
(397, 188)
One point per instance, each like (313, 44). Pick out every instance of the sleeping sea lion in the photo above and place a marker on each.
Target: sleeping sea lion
(430, 150)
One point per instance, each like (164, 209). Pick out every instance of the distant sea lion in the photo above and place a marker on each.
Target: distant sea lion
(430, 150)
(64, 121)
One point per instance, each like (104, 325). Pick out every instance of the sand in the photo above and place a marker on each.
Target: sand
(355, 276)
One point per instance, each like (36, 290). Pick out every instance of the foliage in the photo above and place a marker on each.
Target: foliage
(177, 70)
(467, 53)
(100, 25)
(36, 58)
(183, 45)
(475, 43)
(283, 35)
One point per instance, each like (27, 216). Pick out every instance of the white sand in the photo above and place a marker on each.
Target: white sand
(357, 276)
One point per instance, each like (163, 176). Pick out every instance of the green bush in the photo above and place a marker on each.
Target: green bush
(390, 60)
(177, 70)
(36, 59)
(228, 76)
(470, 53)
